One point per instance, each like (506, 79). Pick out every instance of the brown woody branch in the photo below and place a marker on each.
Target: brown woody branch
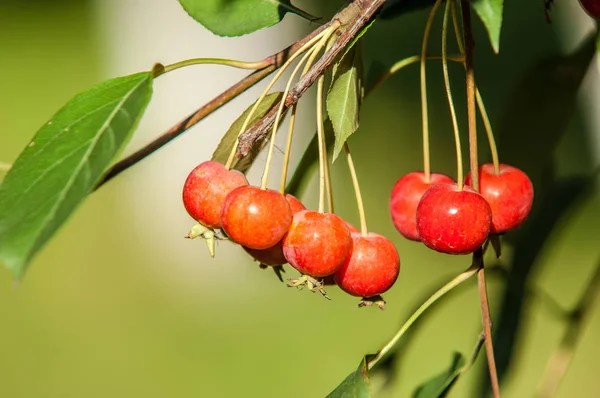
(353, 18)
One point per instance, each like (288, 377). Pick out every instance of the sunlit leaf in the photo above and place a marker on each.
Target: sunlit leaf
(355, 385)
(438, 386)
(345, 97)
(225, 147)
(490, 12)
(63, 162)
(239, 17)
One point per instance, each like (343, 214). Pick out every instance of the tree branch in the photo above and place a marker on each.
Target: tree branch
(354, 17)
(274, 62)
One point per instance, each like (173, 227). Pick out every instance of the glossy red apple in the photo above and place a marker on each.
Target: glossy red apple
(205, 189)
(317, 244)
(453, 221)
(371, 268)
(509, 193)
(273, 256)
(405, 197)
(255, 218)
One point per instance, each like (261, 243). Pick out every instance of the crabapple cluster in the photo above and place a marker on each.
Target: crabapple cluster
(276, 229)
(458, 221)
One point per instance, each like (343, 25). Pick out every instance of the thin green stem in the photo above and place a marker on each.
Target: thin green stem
(397, 66)
(459, 165)
(160, 69)
(359, 201)
(265, 176)
(472, 270)
(320, 137)
(288, 149)
(479, 98)
(309, 44)
(425, 118)
(5, 166)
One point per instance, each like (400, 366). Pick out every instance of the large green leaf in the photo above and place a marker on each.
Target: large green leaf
(63, 162)
(345, 96)
(355, 385)
(490, 12)
(239, 17)
(225, 147)
(439, 386)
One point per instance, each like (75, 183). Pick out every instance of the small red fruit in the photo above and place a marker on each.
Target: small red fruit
(317, 243)
(273, 256)
(205, 189)
(452, 221)
(255, 218)
(371, 268)
(405, 197)
(509, 193)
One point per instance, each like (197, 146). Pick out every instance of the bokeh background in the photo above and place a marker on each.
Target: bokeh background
(119, 304)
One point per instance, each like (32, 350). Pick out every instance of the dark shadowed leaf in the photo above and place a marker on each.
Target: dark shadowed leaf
(239, 17)
(355, 385)
(439, 386)
(225, 147)
(490, 12)
(63, 162)
(345, 97)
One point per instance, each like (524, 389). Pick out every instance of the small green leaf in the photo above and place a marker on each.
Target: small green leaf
(225, 147)
(357, 37)
(490, 12)
(63, 163)
(439, 386)
(345, 97)
(239, 17)
(355, 385)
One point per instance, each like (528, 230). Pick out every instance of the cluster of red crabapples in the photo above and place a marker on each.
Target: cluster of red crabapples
(454, 221)
(276, 229)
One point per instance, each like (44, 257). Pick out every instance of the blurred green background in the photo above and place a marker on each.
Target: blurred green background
(108, 309)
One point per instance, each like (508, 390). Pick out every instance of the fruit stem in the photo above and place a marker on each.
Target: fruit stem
(288, 147)
(361, 207)
(160, 69)
(307, 56)
(425, 118)
(470, 82)
(309, 44)
(480, 104)
(472, 270)
(5, 166)
(487, 325)
(459, 165)
(320, 138)
(288, 150)
(405, 62)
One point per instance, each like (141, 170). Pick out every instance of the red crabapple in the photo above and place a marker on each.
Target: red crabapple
(453, 221)
(205, 189)
(254, 217)
(509, 193)
(405, 197)
(317, 244)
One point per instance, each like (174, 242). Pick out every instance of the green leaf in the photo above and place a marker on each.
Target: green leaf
(345, 97)
(355, 385)
(225, 147)
(439, 386)
(239, 17)
(357, 37)
(490, 12)
(63, 162)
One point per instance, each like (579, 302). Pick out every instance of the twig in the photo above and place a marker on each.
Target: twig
(274, 62)
(472, 120)
(355, 16)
